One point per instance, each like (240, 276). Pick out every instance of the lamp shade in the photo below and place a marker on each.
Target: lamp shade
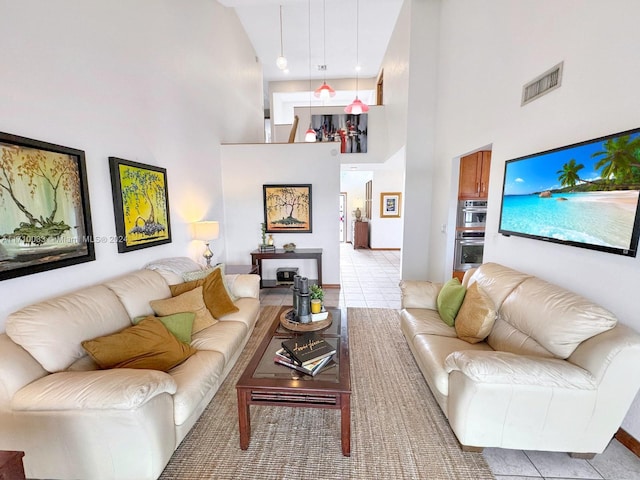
(324, 91)
(356, 107)
(205, 231)
(310, 135)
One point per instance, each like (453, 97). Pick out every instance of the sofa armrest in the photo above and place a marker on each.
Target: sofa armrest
(244, 285)
(116, 389)
(510, 369)
(419, 294)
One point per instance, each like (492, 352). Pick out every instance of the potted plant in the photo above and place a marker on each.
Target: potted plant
(317, 298)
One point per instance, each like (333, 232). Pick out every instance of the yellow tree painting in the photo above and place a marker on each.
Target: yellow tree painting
(287, 208)
(141, 204)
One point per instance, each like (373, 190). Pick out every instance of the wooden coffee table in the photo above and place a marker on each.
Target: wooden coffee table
(264, 382)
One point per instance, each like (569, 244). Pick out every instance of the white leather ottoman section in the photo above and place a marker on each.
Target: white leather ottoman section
(195, 378)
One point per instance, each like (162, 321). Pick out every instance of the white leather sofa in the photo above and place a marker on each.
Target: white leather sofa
(542, 379)
(75, 421)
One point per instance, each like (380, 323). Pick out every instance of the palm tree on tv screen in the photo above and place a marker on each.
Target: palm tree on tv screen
(620, 160)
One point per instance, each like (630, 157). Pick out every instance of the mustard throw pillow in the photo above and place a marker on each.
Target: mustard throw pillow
(214, 293)
(146, 345)
(476, 316)
(449, 300)
(180, 324)
(200, 274)
(190, 301)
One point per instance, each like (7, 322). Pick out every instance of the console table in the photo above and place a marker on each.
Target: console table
(300, 253)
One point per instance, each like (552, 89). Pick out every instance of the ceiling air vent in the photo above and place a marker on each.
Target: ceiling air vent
(549, 80)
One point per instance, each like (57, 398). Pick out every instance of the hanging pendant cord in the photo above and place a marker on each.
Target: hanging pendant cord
(281, 47)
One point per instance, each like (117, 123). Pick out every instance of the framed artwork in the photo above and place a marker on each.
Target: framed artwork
(45, 218)
(140, 204)
(287, 208)
(390, 204)
(349, 130)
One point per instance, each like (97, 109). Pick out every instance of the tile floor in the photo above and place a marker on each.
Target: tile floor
(369, 278)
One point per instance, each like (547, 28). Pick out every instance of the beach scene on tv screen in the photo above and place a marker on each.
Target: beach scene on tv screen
(585, 193)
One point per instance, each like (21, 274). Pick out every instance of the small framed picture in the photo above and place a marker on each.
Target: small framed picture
(140, 203)
(390, 204)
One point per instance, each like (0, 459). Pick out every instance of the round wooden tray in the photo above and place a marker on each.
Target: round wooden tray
(304, 327)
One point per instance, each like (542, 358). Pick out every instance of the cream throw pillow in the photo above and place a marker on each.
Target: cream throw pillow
(191, 301)
(476, 316)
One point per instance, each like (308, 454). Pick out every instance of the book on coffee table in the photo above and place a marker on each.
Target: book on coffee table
(283, 358)
(308, 348)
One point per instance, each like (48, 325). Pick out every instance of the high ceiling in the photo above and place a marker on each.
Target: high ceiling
(261, 20)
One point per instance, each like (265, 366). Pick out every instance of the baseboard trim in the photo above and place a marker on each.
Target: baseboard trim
(330, 285)
(370, 248)
(628, 441)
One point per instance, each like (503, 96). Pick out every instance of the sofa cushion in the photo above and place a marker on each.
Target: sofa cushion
(135, 290)
(476, 316)
(420, 294)
(449, 300)
(148, 345)
(214, 292)
(101, 390)
(497, 281)
(51, 331)
(422, 321)
(555, 318)
(195, 380)
(224, 337)
(189, 301)
(180, 324)
(248, 311)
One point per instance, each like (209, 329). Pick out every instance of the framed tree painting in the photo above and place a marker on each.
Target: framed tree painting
(390, 204)
(287, 208)
(141, 204)
(45, 219)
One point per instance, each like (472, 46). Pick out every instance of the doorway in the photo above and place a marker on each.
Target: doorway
(342, 216)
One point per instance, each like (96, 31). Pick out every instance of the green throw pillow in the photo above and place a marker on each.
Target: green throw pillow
(450, 300)
(180, 324)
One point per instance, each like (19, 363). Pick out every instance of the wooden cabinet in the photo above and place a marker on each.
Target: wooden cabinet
(474, 175)
(11, 465)
(360, 234)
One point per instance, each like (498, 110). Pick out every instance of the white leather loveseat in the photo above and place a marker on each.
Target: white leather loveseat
(75, 421)
(556, 372)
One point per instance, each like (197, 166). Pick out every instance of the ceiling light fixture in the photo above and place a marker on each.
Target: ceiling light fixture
(324, 91)
(357, 106)
(310, 134)
(281, 61)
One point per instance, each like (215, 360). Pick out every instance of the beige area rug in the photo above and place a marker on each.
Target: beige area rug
(397, 429)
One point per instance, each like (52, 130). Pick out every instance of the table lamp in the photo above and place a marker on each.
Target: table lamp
(205, 232)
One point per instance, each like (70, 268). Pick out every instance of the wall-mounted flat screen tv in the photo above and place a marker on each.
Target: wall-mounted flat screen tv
(584, 195)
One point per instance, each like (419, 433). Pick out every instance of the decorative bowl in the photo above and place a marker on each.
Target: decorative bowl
(289, 247)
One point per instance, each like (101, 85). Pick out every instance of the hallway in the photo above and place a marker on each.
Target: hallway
(368, 278)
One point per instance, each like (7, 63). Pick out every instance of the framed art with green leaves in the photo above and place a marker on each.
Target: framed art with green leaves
(45, 219)
(140, 203)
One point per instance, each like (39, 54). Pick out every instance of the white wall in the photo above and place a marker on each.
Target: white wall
(488, 50)
(246, 168)
(410, 103)
(145, 81)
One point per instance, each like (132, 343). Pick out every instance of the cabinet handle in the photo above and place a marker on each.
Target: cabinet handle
(478, 187)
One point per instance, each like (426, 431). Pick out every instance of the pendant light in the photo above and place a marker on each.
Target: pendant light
(357, 106)
(281, 61)
(310, 134)
(324, 91)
